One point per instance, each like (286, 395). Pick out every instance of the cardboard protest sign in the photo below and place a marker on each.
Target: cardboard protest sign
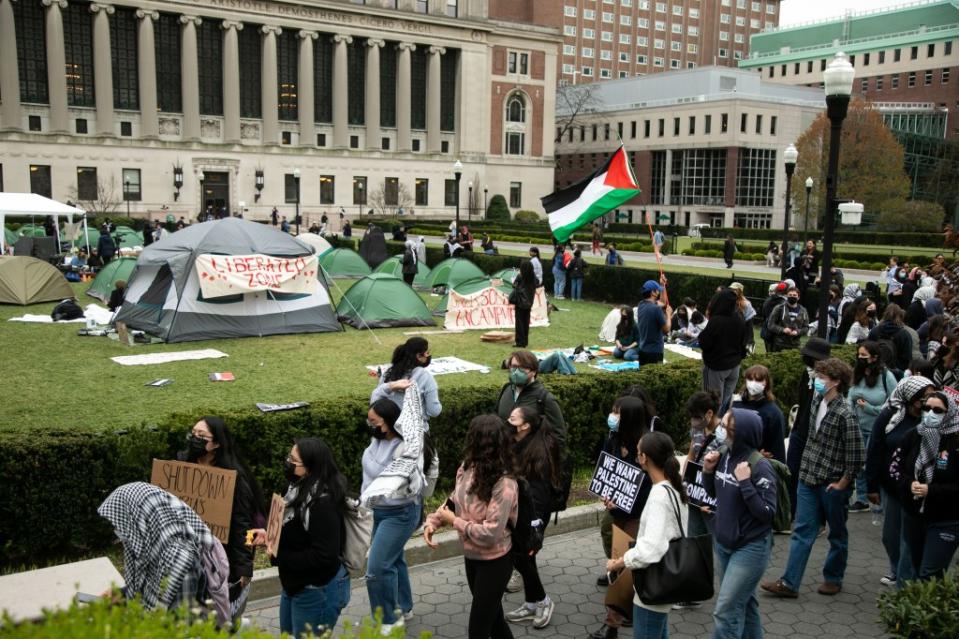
(223, 275)
(274, 524)
(619, 595)
(693, 480)
(617, 481)
(490, 308)
(208, 490)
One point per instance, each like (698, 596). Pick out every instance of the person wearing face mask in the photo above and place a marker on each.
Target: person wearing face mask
(946, 363)
(536, 459)
(626, 337)
(409, 365)
(210, 443)
(899, 417)
(865, 321)
(524, 389)
(744, 485)
(890, 330)
(929, 487)
(788, 322)
(723, 343)
(872, 384)
(315, 584)
(814, 350)
(833, 457)
(757, 395)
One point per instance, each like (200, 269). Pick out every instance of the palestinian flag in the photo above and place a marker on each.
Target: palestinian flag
(581, 203)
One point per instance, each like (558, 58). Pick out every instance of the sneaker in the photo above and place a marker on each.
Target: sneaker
(859, 507)
(604, 632)
(515, 583)
(603, 581)
(544, 612)
(685, 605)
(523, 613)
(779, 588)
(408, 615)
(888, 580)
(387, 629)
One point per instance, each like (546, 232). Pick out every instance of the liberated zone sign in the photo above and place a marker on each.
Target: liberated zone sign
(617, 481)
(208, 490)
(222, 275)
(693, 479)
(490, 308)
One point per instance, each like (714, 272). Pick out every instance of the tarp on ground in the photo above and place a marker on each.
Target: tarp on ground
(394, 266)
(453, 271)
(27, 280)
(381, 300)
(120, 268)
(373, 246)
(343, 262)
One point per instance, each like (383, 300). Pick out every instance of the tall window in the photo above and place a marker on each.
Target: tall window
(516, 124)
(421, 192)
(210, 66)
(169, 97)
(323, 79)
(327, 189)
(516, 195)
(40, 180)
(701, 177)
(755, 177)
(249, 43)
(86, 183)
(422, 6)
(78, 47)
(388, 85)
(452, 8)
(516, 109)
(448, 63)
(418, 88)
(359, 190)
(131, 185)
(287, 59)
(123, 51)
(31, 51)
(291, 188)
(356, 63)
(449, 193)
(391, 191)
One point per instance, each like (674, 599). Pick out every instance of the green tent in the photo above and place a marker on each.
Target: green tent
(394, 266)
(381, 300)
(129, 238)
(9, 237)
(31, 230)
(506, 274)
(344, 263)
(468, 288)
(453, 271)
(119, 268)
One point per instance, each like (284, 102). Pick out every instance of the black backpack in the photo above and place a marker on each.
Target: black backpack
(888, 356)
(527, 533)
(68, 309)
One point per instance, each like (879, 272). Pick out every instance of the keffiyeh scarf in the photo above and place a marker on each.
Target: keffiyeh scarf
(900, 397)
(404, 476)
(930, 437)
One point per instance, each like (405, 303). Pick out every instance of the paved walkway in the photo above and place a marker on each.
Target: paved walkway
(570, 563)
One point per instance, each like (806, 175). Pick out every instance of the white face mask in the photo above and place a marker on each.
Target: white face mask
(720, 434)
(755, 388)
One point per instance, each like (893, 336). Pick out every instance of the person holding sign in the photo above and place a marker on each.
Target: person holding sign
(745, 493)
(316, 585)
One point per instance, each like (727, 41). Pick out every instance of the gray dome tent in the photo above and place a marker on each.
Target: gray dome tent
(164, 296)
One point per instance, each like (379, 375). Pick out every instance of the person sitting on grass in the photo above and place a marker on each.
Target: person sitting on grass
(626, 338)
(116, 297)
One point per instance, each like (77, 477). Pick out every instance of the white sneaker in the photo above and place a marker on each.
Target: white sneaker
(888, 580)
(387, 629)
(408, 615)
(515, 583)
(544, 612)
(523, 613)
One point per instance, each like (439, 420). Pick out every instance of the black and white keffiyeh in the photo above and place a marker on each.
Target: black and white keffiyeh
(900, 397)
(404, 476)
(930, 437)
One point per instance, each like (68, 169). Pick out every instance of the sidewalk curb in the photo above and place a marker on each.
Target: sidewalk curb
(266, 582)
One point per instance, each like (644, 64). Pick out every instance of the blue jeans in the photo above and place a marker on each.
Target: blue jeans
(737, 610)
(648, 624)
(315, 607)
(931, 546)
(387, 577)
(894, 540)
(861, 477)
(559, 282)
(630, 355)
(576, 288)
(814, 505)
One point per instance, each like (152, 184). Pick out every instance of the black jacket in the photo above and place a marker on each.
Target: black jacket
(310, 558)
(774, 426)
(723, 341)
(899, 338)
(940, 504)
(882, 447)
(534, 395)
(576, 268)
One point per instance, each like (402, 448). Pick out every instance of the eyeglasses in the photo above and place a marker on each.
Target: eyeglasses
(200, 435)
(934, 409)
(293, 461)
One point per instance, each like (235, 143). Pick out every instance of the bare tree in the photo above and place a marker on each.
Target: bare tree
(575, 104)
(383, 205)
(107, 202)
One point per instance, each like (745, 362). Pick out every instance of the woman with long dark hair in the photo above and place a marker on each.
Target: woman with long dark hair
(409, 365)
(522, 298)
(316, 585)
(872, 384)
(210, 443)
(627, 339)
(484, 502)
(536, 459)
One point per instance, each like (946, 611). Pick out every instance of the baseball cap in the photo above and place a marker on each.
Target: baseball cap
(652, 285)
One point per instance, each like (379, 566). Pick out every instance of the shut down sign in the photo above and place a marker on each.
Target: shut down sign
(617, 481)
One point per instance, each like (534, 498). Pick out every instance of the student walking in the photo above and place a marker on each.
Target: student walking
(576, 272)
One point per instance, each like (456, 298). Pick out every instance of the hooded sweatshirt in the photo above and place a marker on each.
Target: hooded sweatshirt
(723, 341)
(744, 510)
(900, 339)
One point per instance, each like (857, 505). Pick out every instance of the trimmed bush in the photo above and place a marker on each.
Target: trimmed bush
(530, 217)
(497, 208)
(922, 609)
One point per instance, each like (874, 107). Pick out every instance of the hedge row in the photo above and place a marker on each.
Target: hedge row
(841, 253)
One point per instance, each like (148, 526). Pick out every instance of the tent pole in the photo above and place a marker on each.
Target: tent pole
(86, 234)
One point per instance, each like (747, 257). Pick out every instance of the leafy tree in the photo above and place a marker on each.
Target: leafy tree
(870, 162)
(529, 217)
(497, 209)
(916, 216)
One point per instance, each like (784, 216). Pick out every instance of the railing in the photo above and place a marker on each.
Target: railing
(716, 97)
(885, 36)
(850, 14)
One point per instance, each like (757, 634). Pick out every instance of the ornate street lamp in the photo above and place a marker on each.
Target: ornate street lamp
(259, 183)
(790, 155)
(296, 183)
(177, 181)
(458, 173)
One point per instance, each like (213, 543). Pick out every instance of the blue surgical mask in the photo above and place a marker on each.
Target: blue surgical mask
(720, 434)
(819, 386)
(613, 422)
(931, 419)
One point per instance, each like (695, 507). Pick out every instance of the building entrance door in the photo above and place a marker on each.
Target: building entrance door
(216, 193)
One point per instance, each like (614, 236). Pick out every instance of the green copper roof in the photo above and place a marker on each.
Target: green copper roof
(902, 26)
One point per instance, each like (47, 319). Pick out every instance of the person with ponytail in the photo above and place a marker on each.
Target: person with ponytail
(658, 526)
(744, 484)
(409, 366)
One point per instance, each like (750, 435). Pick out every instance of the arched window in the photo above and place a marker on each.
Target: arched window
(516, 109)
(515, 129)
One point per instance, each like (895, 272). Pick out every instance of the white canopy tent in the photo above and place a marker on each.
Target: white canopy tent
(33, 205)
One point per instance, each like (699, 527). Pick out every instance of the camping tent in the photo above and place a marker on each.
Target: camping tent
(468, 288)
(120, 268)
(344, 263)
(128, 238)
(373, 246)
(178, 290)
(33, 205)
(394, 267)
(9, 237)
(382, 300)
(506, 274)
(453, 271)
(27, 280)
(318, 242)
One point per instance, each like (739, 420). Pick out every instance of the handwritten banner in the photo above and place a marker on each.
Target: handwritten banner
(490, 309)
(617, 481)
(223, 275)
(208, 490)
(274, 524)
(693, 479)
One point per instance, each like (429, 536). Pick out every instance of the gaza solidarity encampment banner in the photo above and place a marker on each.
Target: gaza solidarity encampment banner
(490, 308)
(222, 275)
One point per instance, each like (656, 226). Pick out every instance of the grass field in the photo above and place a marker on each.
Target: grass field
(54, 378)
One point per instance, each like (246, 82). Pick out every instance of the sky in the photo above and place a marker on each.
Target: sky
(795, 11)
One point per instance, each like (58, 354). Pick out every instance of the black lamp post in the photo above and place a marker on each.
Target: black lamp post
(202, 213)
(126, 195)
(805, 222)
(469, 202)
(458, 173)
(296, 182)
(790, 155)
(838, 79)
(177, 181)
(259, 183)
(485, 191)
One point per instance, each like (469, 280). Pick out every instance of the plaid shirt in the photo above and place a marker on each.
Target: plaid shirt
(835, 449)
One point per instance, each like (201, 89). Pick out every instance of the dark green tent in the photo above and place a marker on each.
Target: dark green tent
(468, 288)
(394, 266)
(381, 300)
(344, 263)
(453, 271)
(506, 274)
(119, 268)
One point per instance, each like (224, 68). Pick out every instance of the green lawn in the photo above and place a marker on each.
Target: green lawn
(53, 377)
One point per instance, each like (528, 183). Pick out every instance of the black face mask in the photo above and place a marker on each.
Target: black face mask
(429, 358)
(792, 300)
(289, 472)
(870, 313)
(512, 429)
(376, 433)
(196, 448)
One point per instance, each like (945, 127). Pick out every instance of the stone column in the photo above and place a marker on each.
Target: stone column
(305, 105)
(190, 78)
(341, 88)
(668, 185)
(56, 66)
(433, 80)
(269, 98)
(103, 67)
(147, 74)
(9, 74)
(231, 80)
(404, 139)
(372, 116)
